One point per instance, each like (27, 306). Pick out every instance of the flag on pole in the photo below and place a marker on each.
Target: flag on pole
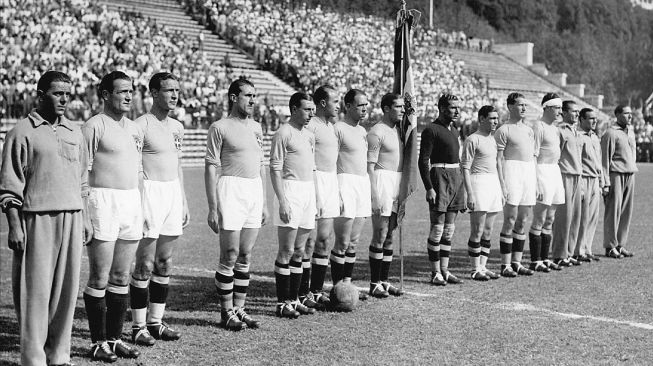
(404, 86)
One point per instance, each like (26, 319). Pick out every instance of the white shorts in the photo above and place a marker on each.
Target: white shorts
(549, 180)
(240, 201)
(163, 206)
(520, 180)
(301, 197)
(327, 194)
(387, 190)
(487, 192)
(355, 195)
(115, 214)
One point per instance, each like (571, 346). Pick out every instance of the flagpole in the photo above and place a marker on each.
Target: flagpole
(401, 231)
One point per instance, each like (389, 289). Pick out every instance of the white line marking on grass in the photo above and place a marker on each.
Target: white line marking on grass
(506, 306)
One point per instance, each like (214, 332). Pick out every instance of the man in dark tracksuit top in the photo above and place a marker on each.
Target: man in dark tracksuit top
(439, 167)
(42, 183)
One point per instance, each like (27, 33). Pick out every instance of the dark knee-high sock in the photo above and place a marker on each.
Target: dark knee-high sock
(296, 273)
(505, 247)
(385, 265)
(485, 252)
(117, 299)
(241, 283)
(96, 312)
(518, 241)
(337, 267)
(535, 244)
(320, 263)
(159, 288)
(306, 277)
(348, 269)
(433, 249)
(224, 285)
(282, 276)
(376, 257)
(139, 296)
(546, 244)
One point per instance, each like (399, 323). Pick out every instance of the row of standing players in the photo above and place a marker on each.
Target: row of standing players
(334, 171)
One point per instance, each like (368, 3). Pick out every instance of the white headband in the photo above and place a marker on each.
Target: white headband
(555, 102)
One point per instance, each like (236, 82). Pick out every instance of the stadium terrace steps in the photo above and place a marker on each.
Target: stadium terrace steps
(173, 16)
(506, 75)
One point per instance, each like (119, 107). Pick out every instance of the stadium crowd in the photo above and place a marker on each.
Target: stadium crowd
(308, 47)
(87, 40)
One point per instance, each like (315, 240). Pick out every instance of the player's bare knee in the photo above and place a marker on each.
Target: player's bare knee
(163, 266)
(244, 258)
(120, 278)
(97, 281)
(143, 270)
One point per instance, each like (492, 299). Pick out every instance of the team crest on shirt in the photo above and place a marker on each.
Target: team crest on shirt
(178, 140)
(139, 143)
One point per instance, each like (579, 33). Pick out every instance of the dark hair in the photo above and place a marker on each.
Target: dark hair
(155, 81)
(620, 109)
(50, 77)
(389, 99)
(567, 104)
(107, 81)
(235, 88)
(351, 95)
(548, 96)
(445, 101)
(322, 93)
(512, 98)
(296, 100)
(583, 112)
(486, 110)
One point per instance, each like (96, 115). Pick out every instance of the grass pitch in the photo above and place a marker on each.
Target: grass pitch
(598, 313)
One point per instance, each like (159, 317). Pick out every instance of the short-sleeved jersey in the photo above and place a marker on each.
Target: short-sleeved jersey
(352, 149)
(570, 150)
(547, 143)
(480, 154)
(292, 153)
(236, 146)
(326, 144)
(384, 147)
(590, 153)
(162, 142)
(516, 140)
(114, 150)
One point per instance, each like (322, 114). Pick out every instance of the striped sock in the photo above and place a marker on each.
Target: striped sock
(518, 241)
(241, 283)
(433, 245)
(282, 275)
(485, 251)
(296, 273)
(445, 246)
(474, 251)
(138, 294)
(350, 259)
(159, 287)
(306, 277)
(385, 264)
(224, 284)
(546, 244)
(117, 300)
(96, 312)
(320, 263)
(535, 245)
(337, 266)
(505, 247)
(376, 258)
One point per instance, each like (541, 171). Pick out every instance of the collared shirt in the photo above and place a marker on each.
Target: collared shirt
(44, 167)
(439, 144)
(570, 150)
(590, 154)
(292, 153)
(618, 153)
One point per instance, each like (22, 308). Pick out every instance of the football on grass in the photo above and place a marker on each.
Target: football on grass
(344, 296)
